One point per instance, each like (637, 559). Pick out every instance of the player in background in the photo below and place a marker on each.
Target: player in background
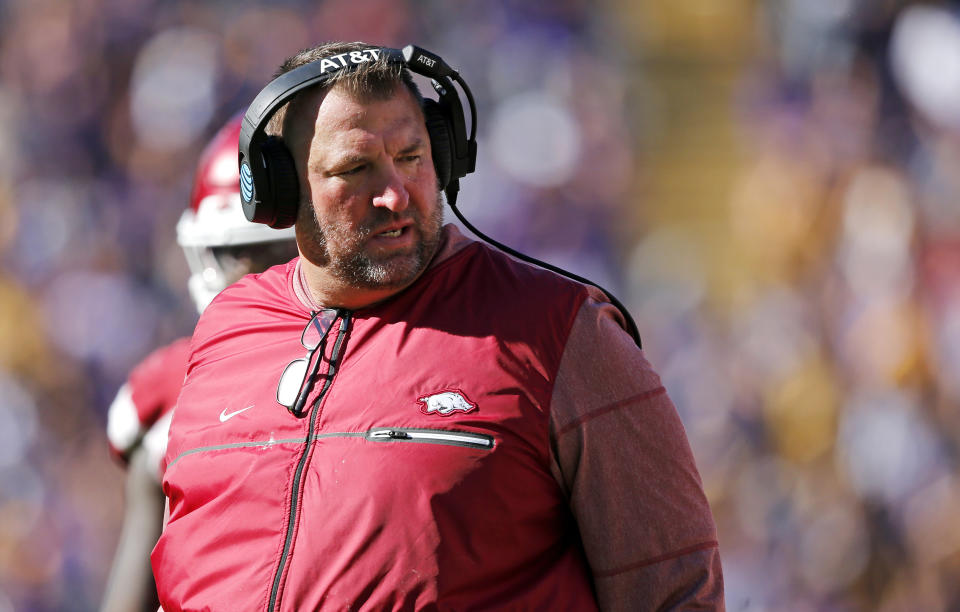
(221, 246)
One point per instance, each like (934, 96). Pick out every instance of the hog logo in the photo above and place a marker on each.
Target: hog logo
(445, 403)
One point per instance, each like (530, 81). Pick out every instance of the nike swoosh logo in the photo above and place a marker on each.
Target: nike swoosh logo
(225, 416)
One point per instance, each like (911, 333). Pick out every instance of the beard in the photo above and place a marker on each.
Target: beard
(341, 248)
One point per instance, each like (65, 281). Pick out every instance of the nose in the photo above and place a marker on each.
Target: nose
(393, 195)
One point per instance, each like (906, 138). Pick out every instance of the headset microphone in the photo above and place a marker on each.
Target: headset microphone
(269, 190)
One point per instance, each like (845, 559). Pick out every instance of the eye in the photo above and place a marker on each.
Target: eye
(412, 158)
(351, 171)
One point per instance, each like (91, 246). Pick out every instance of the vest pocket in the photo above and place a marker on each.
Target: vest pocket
(431, 436)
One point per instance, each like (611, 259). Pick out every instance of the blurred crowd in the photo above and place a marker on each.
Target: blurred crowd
(806, 322)
(769, 185)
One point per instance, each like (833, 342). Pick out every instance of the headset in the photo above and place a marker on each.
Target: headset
(269, 188)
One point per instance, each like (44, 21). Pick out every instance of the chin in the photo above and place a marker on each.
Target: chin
(396, 273)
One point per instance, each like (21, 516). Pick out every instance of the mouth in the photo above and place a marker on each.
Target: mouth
(393, 231)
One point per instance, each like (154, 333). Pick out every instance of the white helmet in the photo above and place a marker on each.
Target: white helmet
(218, 241)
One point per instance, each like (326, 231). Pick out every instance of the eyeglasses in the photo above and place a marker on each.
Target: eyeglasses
(297, 378)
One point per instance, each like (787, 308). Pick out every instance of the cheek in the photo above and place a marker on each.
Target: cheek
(327, 195)
(334, 205)
(323, 190)
(429, 172)
(425, 184)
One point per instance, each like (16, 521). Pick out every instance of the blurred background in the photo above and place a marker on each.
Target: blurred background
(771, 186)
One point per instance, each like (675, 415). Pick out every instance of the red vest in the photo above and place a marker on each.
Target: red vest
(419, 477)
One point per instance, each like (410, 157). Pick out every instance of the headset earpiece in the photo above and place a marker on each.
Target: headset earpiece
(440, 145)
(283, 194)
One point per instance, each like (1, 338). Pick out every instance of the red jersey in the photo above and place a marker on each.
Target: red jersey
(150, 393)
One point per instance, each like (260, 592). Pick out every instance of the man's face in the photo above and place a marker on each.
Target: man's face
(373, 214)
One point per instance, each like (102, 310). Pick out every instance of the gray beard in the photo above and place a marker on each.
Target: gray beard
(359, 269)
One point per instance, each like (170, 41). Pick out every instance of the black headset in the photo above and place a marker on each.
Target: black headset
(269, 188)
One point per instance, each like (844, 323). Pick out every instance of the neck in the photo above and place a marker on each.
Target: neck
(328, 291)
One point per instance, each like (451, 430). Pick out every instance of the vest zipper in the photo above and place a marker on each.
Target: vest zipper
(430, 436)
(298, 474)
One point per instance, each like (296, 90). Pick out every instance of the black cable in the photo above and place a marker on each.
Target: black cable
(631, 324)
(454, 187)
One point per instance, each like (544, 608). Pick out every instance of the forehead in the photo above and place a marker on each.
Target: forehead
(337, 116)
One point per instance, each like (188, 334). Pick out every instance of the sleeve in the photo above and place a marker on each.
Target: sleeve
(148, 394)
(155, 446)
(124, 429)
(621, 455)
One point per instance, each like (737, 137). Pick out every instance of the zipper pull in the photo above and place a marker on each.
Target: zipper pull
(390, 434)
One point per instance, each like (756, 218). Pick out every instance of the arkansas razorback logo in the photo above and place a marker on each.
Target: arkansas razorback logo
(445, 403)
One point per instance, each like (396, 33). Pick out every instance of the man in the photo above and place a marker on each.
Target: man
(404, 418)
(221, 246)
